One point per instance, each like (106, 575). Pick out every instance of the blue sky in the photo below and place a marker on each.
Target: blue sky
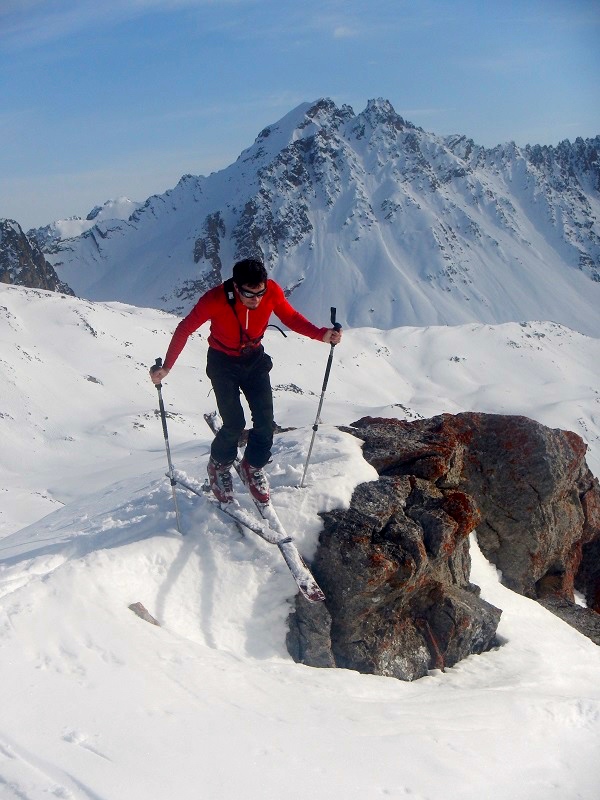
(105, 98)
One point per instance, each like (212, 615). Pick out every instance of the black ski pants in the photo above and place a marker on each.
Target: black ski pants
(230, 376)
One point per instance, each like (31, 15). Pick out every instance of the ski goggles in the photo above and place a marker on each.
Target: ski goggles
(247, 293)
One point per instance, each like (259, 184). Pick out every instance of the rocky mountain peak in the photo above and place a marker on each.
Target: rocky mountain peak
(49, 237)
(120, 208)
(398, 226)
(325, 113)
(381, 112)
(22, 263)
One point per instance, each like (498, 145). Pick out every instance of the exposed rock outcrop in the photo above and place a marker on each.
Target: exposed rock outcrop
(395, 569)
(395, 566)
(538, 500)
(22, 262)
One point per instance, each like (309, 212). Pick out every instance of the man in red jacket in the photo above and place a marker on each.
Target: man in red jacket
(239, 311)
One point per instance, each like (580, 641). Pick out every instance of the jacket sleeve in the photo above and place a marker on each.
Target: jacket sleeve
(200, 314)
(294, 319)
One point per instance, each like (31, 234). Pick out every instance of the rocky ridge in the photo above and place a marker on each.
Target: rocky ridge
(22, 263)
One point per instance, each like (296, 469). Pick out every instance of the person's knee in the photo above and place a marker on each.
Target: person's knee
(233, 421)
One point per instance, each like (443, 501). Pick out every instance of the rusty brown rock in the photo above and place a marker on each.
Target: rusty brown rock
(539, 502)
(395, 570)
(395, 566)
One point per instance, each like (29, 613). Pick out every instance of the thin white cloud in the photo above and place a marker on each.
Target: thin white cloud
(35, 22)
(344, 32)
(30, 23)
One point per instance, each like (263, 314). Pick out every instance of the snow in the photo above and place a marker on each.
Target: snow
(100, 705)
(120, 208)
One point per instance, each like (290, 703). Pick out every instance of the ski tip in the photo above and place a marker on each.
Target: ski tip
(314, 594)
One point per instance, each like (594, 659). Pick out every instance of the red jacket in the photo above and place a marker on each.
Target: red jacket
(233, 327)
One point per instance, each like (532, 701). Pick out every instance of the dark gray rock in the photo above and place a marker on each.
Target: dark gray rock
(395, 565)
(22, 262)
(585, 620)
(309, 635)
(529, 481)
(395, 570)
(539, 502)
(587, 578)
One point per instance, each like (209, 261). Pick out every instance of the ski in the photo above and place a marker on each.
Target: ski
(302, 575)
(233, 510)
(300, 572)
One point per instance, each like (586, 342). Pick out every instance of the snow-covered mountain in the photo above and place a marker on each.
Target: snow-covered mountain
(98, 704)
(391, 224)
(48, 236)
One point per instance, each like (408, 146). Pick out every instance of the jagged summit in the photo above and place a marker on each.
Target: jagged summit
(322, 117)
(303, 122)
(22, 263)
(368, 212)
(381, 112)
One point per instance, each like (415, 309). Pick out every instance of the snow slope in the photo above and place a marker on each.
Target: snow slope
(97, 704)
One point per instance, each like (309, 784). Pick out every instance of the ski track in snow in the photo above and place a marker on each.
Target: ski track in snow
(98, 704)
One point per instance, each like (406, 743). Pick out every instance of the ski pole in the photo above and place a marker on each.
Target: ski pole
(163, 418)
(337, 327)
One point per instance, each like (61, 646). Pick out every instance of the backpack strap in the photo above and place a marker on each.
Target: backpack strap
(245, 340)
(229, 291)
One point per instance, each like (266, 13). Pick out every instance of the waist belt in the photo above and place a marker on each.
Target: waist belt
(242, 351)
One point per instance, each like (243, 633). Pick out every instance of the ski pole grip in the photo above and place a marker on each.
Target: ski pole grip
(336, 325)
(157, 365)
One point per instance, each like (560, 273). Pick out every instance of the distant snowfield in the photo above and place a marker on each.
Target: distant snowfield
(99, 704)
(119, 209)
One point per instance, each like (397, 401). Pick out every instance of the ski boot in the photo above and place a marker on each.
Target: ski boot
(221, 482)
(256, 481)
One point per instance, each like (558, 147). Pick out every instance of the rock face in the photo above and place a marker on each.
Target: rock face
(587, 580)
(538, 500)
(22, 262)
(395, 569)
(395, 565)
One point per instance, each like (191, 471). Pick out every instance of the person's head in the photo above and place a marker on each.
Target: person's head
(250, 279)
(250, 272)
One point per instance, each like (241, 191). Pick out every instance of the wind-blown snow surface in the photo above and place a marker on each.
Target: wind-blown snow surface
(98, 704)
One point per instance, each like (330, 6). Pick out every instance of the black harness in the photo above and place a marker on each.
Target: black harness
(248, 346)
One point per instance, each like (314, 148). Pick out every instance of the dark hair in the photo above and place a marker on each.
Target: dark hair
(249, 272)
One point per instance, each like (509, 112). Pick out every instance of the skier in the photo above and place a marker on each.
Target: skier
(239, 311)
